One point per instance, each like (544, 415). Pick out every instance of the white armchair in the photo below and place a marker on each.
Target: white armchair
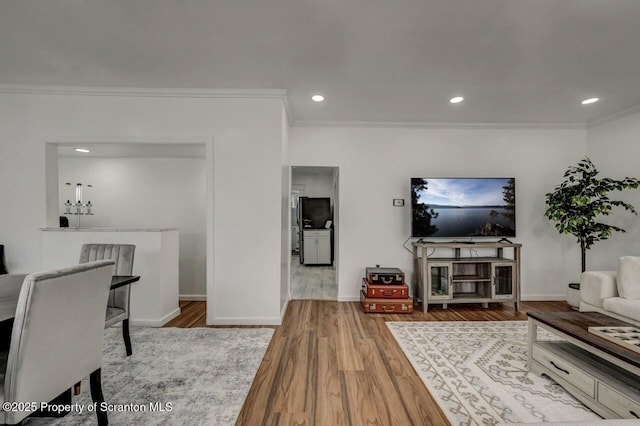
(595, 287)
(613, 293)
(57, 337)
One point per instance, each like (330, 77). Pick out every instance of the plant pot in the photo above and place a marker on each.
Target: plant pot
(573, 295)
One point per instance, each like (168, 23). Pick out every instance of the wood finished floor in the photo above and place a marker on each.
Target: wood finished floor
(331, 364)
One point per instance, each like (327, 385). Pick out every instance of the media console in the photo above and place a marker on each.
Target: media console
(460, 272)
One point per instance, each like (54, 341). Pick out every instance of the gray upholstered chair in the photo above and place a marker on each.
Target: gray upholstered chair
(3, 268)
(118, 304)
(57, 337)
(10, 285)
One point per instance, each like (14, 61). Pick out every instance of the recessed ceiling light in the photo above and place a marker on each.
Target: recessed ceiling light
(590, 101)
(456, 99)
(317, 98)
(82, 150)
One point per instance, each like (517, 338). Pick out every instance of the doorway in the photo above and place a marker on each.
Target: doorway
(314, 248)
(141, 185)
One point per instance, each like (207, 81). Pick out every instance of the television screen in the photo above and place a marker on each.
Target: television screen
(463, 207)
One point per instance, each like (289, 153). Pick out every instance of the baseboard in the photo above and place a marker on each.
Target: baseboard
(348, 298)
(251, 320)
(524, 298)
(155, 322)
(283, 311)
(193, 297)
(246, 321)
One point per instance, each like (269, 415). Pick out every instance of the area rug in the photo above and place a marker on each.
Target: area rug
(176, 376)
(477, 372)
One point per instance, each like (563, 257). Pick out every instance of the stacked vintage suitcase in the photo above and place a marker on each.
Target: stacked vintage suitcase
(384, 291)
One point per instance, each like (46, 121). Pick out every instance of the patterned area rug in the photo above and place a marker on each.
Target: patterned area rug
(477, 372)
(194, 376)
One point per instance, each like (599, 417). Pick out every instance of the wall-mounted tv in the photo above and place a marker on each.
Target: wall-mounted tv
(463, 207)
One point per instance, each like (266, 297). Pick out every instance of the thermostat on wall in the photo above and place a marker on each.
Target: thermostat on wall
(398, 202)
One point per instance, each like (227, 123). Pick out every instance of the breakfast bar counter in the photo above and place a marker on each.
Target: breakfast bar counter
(154, 299)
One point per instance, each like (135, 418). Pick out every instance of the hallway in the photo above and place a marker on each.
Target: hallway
(313, 282)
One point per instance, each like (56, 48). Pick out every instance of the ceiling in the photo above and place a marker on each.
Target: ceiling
(514, 61)
(159, 150)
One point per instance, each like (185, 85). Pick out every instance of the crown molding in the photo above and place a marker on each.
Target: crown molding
(612, 117)
(144, 92)
(152, 92)
(438, 125)
(281, 94)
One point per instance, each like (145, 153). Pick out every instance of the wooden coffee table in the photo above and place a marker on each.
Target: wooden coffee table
(602, 375)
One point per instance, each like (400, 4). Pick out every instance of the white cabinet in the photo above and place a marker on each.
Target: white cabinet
(316, 246)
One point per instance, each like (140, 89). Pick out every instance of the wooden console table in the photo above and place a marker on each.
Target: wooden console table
(462, 272)
(602, 375)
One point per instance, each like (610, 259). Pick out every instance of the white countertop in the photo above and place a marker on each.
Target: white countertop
(109, 229)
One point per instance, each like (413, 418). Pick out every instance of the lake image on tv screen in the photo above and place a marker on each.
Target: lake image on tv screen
(480, 207)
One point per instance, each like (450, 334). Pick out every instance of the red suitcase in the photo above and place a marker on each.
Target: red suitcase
(386, 306)
(386, 291)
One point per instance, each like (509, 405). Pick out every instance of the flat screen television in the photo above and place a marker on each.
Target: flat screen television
(463, 207)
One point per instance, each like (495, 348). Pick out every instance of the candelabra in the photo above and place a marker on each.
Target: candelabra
(78, 208)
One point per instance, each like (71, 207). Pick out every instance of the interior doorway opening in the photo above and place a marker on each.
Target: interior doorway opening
(141, 185)
(314, 232)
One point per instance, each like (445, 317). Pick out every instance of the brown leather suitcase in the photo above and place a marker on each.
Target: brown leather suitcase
(386, 306)
(385, 291)
(393, 276)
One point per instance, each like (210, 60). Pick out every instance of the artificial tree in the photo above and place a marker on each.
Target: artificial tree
(578, 203)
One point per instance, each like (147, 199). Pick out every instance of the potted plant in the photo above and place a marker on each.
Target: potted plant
(578, 204)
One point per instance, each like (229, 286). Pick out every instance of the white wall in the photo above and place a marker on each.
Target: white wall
(285, 225)
(145, 193)
(244, 166)
(614, 148)
(376, 165)
(247, 169)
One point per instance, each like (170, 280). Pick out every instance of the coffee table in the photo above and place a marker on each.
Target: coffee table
(602, 375)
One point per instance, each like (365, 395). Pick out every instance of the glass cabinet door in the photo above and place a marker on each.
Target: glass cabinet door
(503, 280)
(439, 281)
